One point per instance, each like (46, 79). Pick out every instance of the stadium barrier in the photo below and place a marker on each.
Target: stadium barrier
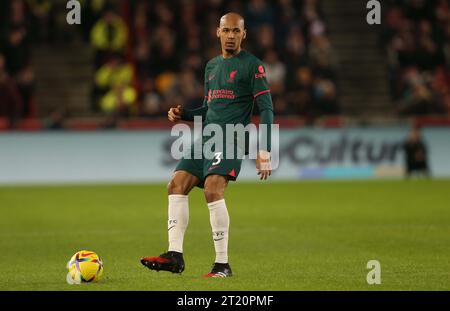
(144, 156)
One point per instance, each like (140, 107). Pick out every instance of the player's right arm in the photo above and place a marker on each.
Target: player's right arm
(188, 115)
(174, 114)
(178, 113)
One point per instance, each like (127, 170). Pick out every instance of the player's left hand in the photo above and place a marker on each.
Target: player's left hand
(263, 164)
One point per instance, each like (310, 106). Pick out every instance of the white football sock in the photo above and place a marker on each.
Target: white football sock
(220, 222)
(178, 221)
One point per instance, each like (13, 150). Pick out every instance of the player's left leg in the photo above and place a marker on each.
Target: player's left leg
(220, 221)
(218, 172)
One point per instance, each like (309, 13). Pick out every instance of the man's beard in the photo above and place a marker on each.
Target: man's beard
(231, 51)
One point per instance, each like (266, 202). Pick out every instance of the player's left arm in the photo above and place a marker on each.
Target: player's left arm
(263, 99)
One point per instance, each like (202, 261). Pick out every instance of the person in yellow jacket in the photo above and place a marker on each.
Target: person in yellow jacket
(120, 100)
(109, 34)
(113, 73)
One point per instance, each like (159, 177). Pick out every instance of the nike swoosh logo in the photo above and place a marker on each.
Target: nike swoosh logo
(218, 239)
(170, 228)
(86, 254)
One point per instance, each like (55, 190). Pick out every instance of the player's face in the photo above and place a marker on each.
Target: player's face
(231, 33)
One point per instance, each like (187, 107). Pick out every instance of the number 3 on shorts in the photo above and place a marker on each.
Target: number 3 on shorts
(217, 156)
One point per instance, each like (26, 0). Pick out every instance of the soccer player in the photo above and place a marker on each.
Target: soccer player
(234, 81)
(416, 155)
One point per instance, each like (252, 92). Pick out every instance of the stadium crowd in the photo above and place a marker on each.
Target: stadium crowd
(150, 55)
(24, 24)
(417, 36)
(16, 75)
(169, 43)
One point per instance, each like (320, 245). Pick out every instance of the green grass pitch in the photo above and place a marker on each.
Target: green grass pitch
(283, 236)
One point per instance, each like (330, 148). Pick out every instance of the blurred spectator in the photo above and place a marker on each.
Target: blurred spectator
(415, 155)
(300, 92)
(165, 56)
(43, 19)
(416, 35)
(190, 89)
(295, 48)
(150, 100)
(116, 75)
(321, 54)
(115, 71)
(25, 80)
(142, 58)
(266, 39)
(312, 16)
(258, 13)
(280, 106)
(56, 120)
(16, 45)
(109, 34)
(276, 72)
(325, 98)
(119, 100)
(92, 11)
(419, 95)
(10, 100)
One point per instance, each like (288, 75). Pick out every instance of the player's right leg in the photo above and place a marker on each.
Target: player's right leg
(178, 189)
